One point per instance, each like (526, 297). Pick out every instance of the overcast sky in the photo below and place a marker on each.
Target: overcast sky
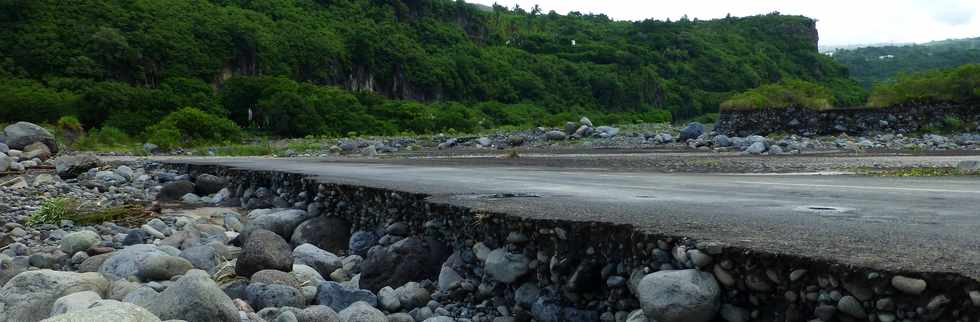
(840, 22)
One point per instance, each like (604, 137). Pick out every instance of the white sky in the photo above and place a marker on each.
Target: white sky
(840, 22)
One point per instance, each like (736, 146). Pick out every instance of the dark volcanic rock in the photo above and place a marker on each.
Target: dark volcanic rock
(207, 184)
(328, 233)
(410, 259)
(175, 190)
(339, 297)
(261, 295)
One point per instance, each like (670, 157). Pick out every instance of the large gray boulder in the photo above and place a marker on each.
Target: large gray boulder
(361, 241)
(362, 312)
(692, 131)
(127, 262)
(339, 297)
(322, 261)
(175, 190)
(412, 295)
(679, 296)
(194, 298)
(193, 235)
(262, 295)
(79, 241)
(29, 296)
(162, 268)
(207, 184)
(108, 311)
(328, 233)
(410, 259)
(506, 267)
(204, 257)
(555, 135)
(74, 302)
(306, 275)
(281, 222)
(264, 250)
(21, 134)
(71, 166)
(36, 150)
(756, 148)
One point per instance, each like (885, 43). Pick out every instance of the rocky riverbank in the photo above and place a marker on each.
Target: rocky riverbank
(228, 245)
(692, 137)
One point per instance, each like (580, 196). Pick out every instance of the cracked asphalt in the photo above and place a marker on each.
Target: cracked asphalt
(919, 224)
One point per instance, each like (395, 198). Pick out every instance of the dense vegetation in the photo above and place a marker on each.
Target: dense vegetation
(312, 67)
(954, 85)
(790, 93)
(872, 65)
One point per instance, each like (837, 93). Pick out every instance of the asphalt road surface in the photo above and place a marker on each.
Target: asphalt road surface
(923, 224)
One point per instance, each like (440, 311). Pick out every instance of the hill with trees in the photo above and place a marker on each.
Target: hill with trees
(876, 64)
(960, 85)
(331, 67)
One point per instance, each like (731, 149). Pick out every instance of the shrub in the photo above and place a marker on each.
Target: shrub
(69, 123)
(68, 130)
(106, 138)
(952, 123)
(166, 137)
(956, 85)
(194, 127)
(789, 93)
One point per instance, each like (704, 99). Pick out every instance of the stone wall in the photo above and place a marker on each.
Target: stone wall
(591, 271)
(854, 121)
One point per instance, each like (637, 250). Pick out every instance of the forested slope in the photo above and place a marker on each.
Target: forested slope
(381, 66)
(871, 65)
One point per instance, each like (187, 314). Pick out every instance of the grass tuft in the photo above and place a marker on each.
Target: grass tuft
(54, 210)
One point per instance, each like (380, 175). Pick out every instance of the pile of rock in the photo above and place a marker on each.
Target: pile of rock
(25, 145)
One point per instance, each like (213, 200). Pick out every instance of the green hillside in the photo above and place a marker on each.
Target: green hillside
(871, 65)
(335, 66)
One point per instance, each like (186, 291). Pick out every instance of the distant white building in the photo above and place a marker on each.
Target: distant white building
(886, 57)
(573, 42)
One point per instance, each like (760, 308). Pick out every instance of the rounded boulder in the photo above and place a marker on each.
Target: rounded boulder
(679, 296)
(264, 250)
